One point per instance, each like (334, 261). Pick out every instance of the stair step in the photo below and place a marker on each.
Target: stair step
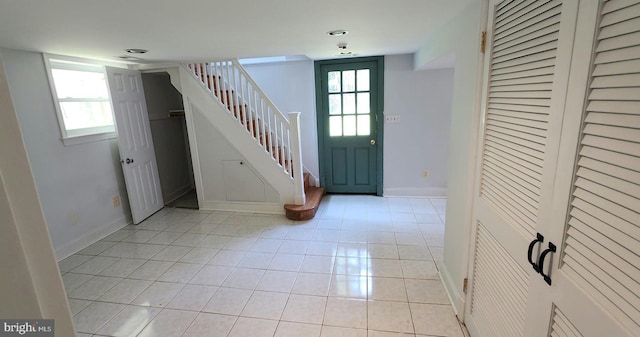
(308, 210)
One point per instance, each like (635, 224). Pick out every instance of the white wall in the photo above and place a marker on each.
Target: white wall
(76, 183)
(169, 136)
(422, 98)
(461, 36)
(31, 285)
(214, 152)
(291, 87)
(420, 140)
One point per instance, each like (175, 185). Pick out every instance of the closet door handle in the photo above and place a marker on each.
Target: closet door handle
(532, 245)
(551, 249)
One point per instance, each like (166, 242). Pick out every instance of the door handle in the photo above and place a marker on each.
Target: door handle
(551, 249)
(127, 161)
(539, 238)
(373, 142)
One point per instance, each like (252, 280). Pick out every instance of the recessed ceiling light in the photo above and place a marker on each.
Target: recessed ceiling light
(136, 51)
(338, 32)
(346, 53)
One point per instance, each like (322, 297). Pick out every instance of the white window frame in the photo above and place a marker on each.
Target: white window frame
(85, 135)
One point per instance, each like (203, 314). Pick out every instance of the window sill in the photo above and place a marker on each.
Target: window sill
(70, 141)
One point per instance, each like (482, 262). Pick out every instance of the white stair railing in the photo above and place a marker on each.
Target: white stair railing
(230, 84)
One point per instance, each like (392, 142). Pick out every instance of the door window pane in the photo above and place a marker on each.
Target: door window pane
(334, 81)
(364, 128)
(349, 107)
(349, 127)
(335, 104)
(335, 126)
(349, 80)
(363, 103)
(363, 80)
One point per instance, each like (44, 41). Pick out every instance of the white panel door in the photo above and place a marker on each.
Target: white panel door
(135, 143)
(595, 273)
(529, 47)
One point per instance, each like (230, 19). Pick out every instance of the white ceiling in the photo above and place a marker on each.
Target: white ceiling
(192, 30)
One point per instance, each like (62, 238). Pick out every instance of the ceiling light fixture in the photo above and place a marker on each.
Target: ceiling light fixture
(346, 53)
(126, 57)
(136, 51)
(338, 32)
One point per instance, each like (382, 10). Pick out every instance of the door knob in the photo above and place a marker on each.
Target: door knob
(373, 142)
(128, 161)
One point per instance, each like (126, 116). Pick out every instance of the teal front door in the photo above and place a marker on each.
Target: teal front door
(349, 109)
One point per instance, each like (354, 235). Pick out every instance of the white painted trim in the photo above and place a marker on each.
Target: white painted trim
(246, 207)
(90, 238)
(193, 147)
(88, 138)
(415, 192)
(455, 296)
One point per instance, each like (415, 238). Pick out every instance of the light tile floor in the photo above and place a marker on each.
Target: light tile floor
(365, 266)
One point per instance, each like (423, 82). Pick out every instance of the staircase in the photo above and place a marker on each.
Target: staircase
(270, 140)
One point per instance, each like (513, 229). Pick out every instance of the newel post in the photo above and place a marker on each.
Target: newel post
(296, 157)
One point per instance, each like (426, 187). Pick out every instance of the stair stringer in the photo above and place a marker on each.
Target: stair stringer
(236, 134)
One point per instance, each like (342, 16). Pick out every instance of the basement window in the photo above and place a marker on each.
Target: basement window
(82, 100)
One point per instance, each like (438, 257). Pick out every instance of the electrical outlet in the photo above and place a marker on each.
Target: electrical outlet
(392, 119)
(115, 201)
(426, 174)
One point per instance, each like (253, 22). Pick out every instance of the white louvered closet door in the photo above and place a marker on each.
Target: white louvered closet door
(529, 47)
(595, 275)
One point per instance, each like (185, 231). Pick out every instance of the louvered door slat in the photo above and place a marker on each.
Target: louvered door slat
(611, 144)
(511, 74)
(538, 28)
(532, 66)
(523, 121)
(515, 126)
(532, 112)
(532, 47)
(602, 231)
(619, 81)
(528, 189)
(522, 81)
(620, 159)
(545, 34)
(614, 5)
(621, 15)
(530, 141)
(581, 234)
(621, 173)
(625, 67)
(510, 110)
(620, 107)
(542, 14)
(602, 252)
(609, 206)
(524, 61)
(622, 28)
(611, 181)
(516, 165)
(526, 213)
(616, 55)
(521, 199)
(562, 327)
(521, 89)
(490, 282)
(617, 42)
(516, 10)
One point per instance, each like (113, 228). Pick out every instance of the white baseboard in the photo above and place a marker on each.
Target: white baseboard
(415, 192)
(88, 239)
(246, 207)
(456, 298)
(173, 196)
